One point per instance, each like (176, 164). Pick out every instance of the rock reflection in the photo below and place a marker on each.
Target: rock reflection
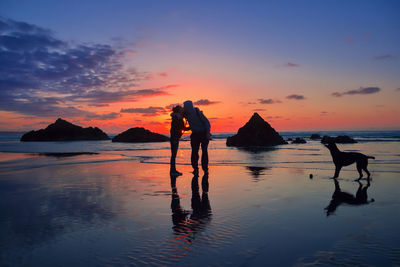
(339, 197)
(256, 172)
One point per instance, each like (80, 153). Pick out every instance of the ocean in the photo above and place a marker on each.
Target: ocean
(100, 203)
(384, 145)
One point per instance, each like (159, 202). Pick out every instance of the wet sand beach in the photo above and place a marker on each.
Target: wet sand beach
(123, 213)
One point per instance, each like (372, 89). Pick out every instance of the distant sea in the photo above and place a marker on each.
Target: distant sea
(384, 145)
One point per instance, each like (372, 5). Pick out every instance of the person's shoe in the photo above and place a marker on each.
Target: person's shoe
(175, 173)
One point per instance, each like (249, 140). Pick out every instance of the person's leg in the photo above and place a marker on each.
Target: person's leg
(195, 144)
(204, 153)
(174, 150)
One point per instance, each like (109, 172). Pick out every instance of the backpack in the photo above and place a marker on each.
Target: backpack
(203, 119)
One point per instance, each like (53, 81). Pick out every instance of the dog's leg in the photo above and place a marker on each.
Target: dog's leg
(337, 170)
(366, 170)
(359, 169)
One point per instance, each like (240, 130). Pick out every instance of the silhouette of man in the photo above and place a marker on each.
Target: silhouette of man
(200, 136)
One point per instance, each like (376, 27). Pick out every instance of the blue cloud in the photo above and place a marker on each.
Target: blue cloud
(35, 65)
(296, 97)
(360, 91)
(268, 101)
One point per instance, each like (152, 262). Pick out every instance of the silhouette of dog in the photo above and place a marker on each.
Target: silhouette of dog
(341, 159)
(339, 197)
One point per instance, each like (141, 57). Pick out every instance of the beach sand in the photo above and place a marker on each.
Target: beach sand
(129, 213)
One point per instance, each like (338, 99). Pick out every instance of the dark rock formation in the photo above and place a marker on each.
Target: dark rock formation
(315, 136)
(256, 132)
(63, 130)
(139, 135)
(299, 140)
(341, 139)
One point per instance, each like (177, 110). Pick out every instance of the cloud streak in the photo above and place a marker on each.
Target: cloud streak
(205, 102)
(268, 101)
(296, 97)
(360, 91)
(149, 111)
(385, 56)
(291, 65)
(44, 76)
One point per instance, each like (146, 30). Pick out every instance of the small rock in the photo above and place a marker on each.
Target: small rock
(299, 140)
(139, 135)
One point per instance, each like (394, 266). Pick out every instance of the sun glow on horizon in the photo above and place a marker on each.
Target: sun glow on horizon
(128, 74)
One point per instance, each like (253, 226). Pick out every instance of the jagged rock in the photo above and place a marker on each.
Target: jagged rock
(256, 132)
(63, 130)
(289, 139)
(299, 140)
(341, 139)
(139, 135)
(315, 136)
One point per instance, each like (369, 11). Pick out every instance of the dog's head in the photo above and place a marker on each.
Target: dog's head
(331, 146)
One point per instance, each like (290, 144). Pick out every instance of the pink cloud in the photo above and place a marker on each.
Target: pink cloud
(205, 102)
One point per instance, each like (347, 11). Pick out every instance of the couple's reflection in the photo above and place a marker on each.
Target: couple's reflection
(339, 197)
(187, 224)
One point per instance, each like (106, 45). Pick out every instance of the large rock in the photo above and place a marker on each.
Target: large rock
(139, 135)
(63, 130)
(256, 132)
(341, 139)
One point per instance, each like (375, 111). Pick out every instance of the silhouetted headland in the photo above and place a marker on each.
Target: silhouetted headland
(341, 139)
(256, 132)
(139, 135)
(62, 130)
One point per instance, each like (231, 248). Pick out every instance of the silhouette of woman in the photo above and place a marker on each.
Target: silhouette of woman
(177, 129)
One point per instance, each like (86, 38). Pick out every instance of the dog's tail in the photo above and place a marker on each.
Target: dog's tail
(370, 157)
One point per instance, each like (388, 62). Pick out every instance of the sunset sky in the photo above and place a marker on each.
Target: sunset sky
(302, 65)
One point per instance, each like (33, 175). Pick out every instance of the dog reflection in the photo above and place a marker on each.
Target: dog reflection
(339, 197)
(187, 224)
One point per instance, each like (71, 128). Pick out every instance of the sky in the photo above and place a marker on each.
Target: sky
(302, 65)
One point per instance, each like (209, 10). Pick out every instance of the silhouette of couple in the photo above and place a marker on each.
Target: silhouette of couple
(200, 127)
(186, 224)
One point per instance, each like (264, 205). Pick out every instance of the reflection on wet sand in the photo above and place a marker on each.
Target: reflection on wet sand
(256, 171)
(36, 214)
(339, 197)
(186, 224)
